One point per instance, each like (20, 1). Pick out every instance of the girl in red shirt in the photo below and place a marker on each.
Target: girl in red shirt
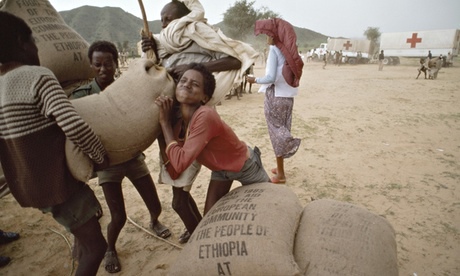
(200, 134)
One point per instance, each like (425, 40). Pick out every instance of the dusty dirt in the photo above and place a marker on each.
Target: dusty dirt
(382, 140)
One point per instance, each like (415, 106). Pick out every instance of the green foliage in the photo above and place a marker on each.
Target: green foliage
(239, 19)
(265, 13)
(373, 34)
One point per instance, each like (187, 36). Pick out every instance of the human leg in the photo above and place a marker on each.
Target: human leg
(216, 190)
(138, 173)
(77, 215)
(91, 246)
(278, 115)
(149, 194)
(185, 206)
(280, 177)
(114, 198)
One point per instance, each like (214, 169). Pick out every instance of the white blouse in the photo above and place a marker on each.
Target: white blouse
(274, 75)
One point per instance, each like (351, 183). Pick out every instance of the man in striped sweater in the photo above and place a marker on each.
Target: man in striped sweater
(35, 119)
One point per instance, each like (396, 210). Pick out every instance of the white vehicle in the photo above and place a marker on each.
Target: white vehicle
(353, 50)
(418, 43)
(319, 52)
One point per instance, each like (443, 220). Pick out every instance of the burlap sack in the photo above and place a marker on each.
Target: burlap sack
(60, 48)
(336, 238)
(250, 231)
(124, 115)
(435, 64)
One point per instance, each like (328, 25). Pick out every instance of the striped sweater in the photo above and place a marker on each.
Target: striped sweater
(35, 119)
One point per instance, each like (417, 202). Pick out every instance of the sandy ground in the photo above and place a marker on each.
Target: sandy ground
(382, 140)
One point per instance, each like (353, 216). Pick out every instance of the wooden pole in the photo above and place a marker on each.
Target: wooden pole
(146, 33)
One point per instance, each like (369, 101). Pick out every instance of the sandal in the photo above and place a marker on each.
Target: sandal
(160, 230)
(184, 237)
(4, 261)
(7, 237)
(111, 263)
(276, 180)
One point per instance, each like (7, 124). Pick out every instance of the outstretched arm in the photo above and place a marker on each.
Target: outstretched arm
(219, 65)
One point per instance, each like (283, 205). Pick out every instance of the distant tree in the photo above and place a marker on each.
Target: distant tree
(265, 13)
(240, 18)
(373, 34)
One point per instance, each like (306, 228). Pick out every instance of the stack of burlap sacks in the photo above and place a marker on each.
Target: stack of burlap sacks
(261, 229)
(125, 116)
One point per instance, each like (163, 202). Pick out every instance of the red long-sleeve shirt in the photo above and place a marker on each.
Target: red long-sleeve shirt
(210, 141)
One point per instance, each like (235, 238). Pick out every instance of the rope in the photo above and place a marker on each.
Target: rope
(151, 234)
(72, 266)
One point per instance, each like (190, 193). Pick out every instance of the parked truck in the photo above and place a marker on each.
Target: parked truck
(353, 50)
(418, 43)
(320, 51)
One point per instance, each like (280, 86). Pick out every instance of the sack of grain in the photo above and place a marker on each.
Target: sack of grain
(250, 231)
(337, 238)
(435, 65)
(124, 115)
(60, 48)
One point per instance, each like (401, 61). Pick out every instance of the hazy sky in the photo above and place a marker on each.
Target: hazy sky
(331, 17)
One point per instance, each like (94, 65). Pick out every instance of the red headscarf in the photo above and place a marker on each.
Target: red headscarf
(285, 39)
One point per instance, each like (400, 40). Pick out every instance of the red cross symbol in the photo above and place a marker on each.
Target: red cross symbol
(347, 45)
(414, 40)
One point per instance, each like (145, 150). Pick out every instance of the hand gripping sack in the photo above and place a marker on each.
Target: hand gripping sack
(250, 231)
(124, 115)
(337, 238)
(60, 48)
